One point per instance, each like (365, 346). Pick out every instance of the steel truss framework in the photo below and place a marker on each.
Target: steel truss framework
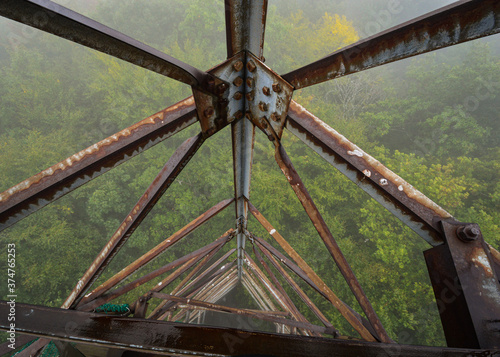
(244, 93)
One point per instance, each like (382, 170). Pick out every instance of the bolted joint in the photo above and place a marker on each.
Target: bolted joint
(468, 233)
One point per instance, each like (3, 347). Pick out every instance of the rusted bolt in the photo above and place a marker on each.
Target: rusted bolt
(251, 66)
(238, 114)
(263, 106)
(266, 91)
(238, 95)
(248, 115)
(263, 121)
(250, 82)
(277, 87)
(238, 66)
(209, 112)
(249, 96)
(468, 233)
(238, 81)
(275, 117)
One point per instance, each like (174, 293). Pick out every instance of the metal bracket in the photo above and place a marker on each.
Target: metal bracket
(466, 287)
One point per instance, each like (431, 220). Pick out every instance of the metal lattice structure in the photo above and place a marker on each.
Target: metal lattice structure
(244, 93)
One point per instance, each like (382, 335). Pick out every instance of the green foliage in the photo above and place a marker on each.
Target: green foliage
(433, 121)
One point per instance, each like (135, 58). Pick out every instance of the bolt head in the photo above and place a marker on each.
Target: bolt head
(468, 233)
(238, 81)
(263, 106)
(251, 66)
(275, 117)
(248, 115)
(263, 121)
(238, 114)
(238, 95)
(249, 96)
(238, 66)
(277, 87)
(266, 91)
(250, 82)
(209, 112)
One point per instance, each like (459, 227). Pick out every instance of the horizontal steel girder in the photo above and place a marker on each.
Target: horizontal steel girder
(164, 338)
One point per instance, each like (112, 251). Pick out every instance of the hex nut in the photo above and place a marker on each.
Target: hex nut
(250, 82)
(238, 95)
(277, 87)
(266, 91)
(468, 233)
(263, 106)
(251, 66)
(250, 96)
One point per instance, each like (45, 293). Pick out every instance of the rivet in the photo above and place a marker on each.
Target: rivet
(251, 66)
(238, 95)
(238, 114)
(263, 106)
(250, 82)
(248, 115)
(238, 66)
(238, 81)
(275, 117)
(249, 96)
(266, 91)
(277, 87)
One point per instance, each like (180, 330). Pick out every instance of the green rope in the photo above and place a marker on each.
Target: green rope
(113, 308)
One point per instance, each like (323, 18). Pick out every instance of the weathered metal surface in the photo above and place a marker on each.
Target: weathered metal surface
(20, 341)
(317, 282)
(160, 184)
(198, 283)
(404, 201)
(54, 182)
(66, 349)
(160, 248)
(257, 291)
(324, 232)
(214, 113)
(291, 306)
(268, 97)
(296, 288)
(466, 287)
(456, 23)
(60, 21)
(166, 338)
(245, 26)
(242, 312)
(102, 299)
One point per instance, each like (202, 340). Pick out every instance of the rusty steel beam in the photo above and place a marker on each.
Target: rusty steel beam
(291, 306)
(34, 193)
(312, 278)
(453, 24)
(168, 338)
(413, 208)
(148, 277)
(324, 232)
(160, 248)
(53, 18)
(242, 312)
(245, 26)
(184, 290)
(160, 184)
(295, 286)
(198, 283)
(466, 287)
(201, 287)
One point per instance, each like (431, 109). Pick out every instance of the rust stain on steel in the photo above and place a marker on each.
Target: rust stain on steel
(296, 287)
(154, 192)
(456, 23)
(243, 312)
(160, 248)
(59, 179)
(312, 211)
(144, 279)
(245, 26)
(387, 183)
(326, 291)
